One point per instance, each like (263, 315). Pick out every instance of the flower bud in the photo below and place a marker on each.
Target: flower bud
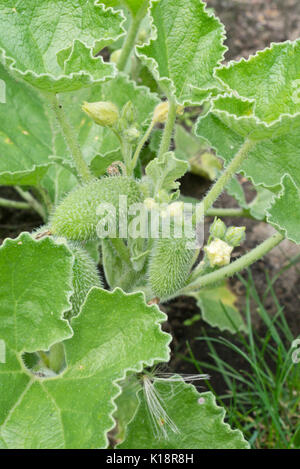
(235, 235)
(218, 253)
(150, 203)
(128, 113)
(179, 110)
(114, 56)
(132, 134)
(218, 228)
(104, 113)
(161, 112)
(175, 209)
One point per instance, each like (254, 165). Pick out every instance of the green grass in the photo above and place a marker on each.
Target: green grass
(263, 395)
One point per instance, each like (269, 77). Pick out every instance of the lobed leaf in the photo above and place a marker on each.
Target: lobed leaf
(74, 409)
(197, 417)
(218, 308)
(134, 6)
(47, 43)
(165, 170)
(186, 48)
(284, 212)
(263, 104)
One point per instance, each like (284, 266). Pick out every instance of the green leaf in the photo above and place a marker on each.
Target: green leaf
(284, 213)
(199, 420)
(74, 409)
(261, 202)
(46, 44)
(217, 307)
(164, 171)
(268, 79)
(28, 177)
(258, 207)
(263, 105)
(126, 403)
(100, 163)
(186, 48)
(235, 189)
(26, 142)
(25, 135)
(134, 6)
(31, 318)
(190, 148)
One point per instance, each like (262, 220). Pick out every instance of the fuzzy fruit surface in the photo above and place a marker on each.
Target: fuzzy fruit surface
(85, 276)
(76, 217)
(170, 265)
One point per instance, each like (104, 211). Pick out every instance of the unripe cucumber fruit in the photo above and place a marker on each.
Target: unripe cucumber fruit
(76, 218)
(85, 276)
(170, 265)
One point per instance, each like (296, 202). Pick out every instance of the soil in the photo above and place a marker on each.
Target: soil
(251, 25)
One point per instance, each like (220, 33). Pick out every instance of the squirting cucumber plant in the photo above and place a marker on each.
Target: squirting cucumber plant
(89, 146)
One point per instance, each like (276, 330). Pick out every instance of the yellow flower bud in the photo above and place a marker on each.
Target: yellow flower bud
(175, 209)
(179, 110)
(104, 113)
(161, 112)
(150, 203)
(114, 57)
(218, 253)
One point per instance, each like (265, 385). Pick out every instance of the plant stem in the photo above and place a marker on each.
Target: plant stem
(228, 212)
(121, 249)
(130, 39)
(32, 202)
(168, 130)
(45, 198)
(141, 144)
(236, 266)
(225, 177)
(72, 142)
(14, 204)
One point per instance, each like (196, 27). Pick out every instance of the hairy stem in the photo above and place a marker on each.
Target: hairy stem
(236, 266)
(72, 142)
(168, 130)
(14, 204)
(225, 177)
(141, 144)
(229, 212)
(121, 249)
(131, 38)
(32, 202)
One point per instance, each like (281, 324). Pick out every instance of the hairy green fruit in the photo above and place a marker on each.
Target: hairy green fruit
(170, 265)
(76, 217)
(85, 276)
(85, 272)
